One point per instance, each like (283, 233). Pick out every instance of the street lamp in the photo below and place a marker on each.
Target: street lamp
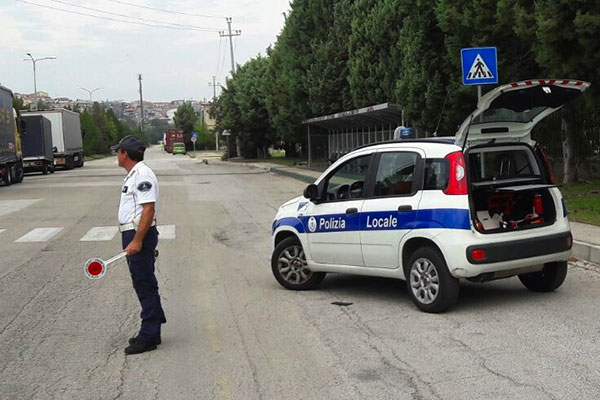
(90, 91)
(34, 60)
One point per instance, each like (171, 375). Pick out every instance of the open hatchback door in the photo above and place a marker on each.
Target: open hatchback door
(509, 112)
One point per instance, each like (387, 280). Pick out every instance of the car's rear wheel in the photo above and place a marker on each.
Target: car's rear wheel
(548, 279)
(289, 266)
(430, 285)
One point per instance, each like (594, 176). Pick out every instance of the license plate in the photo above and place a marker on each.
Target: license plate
(59, 161)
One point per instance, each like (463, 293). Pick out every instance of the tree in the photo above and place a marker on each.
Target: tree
(567, 46)
(185, 118)
(19, 104)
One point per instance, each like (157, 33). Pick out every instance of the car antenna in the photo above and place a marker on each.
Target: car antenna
(441, 113)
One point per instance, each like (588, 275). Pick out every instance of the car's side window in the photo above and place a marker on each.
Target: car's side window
(436, 174)
(395, 174)
(348, 181)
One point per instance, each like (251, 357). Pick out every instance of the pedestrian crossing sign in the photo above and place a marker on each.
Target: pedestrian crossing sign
(479, 65)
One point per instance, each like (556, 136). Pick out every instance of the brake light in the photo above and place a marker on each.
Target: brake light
(457, 182)
(546, 163)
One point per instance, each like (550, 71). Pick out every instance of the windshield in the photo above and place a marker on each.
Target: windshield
(178, 145)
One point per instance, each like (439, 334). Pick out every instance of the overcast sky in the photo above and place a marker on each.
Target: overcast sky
(92, 52)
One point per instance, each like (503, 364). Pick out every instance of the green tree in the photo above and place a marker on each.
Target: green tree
(568, 47)
(185, 118)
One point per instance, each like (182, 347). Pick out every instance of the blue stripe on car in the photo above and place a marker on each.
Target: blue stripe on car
(446, 218)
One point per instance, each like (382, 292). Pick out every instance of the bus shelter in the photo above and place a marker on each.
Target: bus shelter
(332, 136)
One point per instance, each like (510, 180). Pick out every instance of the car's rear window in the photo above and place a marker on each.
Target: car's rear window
(503, 163)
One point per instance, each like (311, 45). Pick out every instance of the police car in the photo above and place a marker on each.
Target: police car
(479, 206)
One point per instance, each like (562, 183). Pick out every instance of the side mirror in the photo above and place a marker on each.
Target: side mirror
(311, 192)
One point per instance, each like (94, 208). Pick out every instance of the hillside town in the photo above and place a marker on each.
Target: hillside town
(129, 112)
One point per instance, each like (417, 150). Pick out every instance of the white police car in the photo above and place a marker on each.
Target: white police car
(480, 206)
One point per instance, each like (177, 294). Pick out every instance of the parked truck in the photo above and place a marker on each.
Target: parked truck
(173, 136)
(66, 137)
(11, 158)
(37, 145)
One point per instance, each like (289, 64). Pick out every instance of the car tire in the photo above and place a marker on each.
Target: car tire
(548, 279)
(289, 267)
(18, 173)
(429, 283)
(45, 168)
(7, 181)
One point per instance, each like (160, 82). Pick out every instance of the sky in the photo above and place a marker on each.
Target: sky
(94, 53)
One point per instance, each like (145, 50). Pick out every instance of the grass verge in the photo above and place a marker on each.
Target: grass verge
(583, 201)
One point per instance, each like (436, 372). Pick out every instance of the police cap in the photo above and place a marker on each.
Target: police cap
(129, 143)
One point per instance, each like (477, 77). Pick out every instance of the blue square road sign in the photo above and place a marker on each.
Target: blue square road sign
(479, 65)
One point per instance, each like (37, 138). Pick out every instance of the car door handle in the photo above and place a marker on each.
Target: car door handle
(352, 210)
(405, 208)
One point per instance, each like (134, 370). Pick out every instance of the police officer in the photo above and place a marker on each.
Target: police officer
(137, 224)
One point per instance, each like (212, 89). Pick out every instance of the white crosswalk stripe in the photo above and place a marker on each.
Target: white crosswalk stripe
(100, 234)
(39, 235)
(2, 230)
(166, 232)
(95, 234)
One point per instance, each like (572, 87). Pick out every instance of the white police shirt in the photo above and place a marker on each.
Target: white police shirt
(139, 187)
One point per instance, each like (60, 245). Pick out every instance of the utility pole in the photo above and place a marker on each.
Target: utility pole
(237, 32)
(141, 104)
(214, 86)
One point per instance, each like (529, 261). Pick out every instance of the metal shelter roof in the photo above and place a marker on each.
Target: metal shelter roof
(380, 114)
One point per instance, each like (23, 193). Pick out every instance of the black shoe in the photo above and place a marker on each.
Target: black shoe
(135, 339)
(140, 347)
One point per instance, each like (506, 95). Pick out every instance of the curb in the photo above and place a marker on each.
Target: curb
(295, 175)
(586, 251)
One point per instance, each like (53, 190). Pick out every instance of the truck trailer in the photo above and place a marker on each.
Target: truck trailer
(11, 157)
(66, 137)
(37, 145)
(173, 136)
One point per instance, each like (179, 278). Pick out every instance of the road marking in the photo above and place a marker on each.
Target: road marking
(100, 233)
(8, 206)
(39, 235)
(166, 232)
(2, 230)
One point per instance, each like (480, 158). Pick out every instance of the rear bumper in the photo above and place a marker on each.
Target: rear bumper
(521, 249)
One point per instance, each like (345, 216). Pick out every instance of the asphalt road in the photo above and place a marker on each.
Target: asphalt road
(232, 331)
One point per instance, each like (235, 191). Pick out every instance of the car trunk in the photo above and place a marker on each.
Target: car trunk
(509, 178)
(508, 189)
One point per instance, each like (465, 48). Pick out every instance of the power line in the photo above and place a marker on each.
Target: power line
(108, 18)
(208, 29)
(166, 11)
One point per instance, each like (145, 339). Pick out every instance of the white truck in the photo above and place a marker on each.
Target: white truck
(66, 137)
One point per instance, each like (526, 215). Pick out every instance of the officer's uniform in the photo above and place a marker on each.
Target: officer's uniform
(141, 187)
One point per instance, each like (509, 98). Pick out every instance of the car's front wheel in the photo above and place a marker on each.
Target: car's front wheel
(430, 285)
(548, 279)
(289, 266)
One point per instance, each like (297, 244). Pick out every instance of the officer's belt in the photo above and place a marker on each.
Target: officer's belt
(131, 226)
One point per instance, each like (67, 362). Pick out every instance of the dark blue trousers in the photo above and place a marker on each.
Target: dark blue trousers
(141, 268)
